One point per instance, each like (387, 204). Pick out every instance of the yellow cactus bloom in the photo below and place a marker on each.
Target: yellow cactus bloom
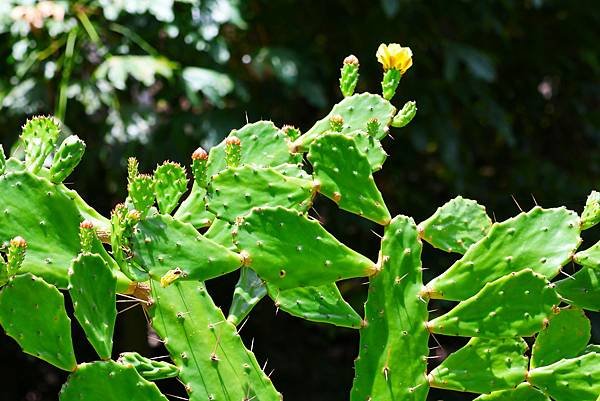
(394, 56)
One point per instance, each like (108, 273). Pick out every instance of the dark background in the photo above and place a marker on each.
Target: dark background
(508, 95)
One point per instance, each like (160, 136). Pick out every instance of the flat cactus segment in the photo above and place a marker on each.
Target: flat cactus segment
(34, 208)
(193, 209)
(590, 257)
(233, 192)
(162, 244)
(170, 183)
(66, 158)
(523, 392)
(514, 305)
(221, 232)
(455, 226)
(345, 176)
(591, 213)
(93, 292)
(141, 192)
(262, 145)
(542, 240)
(565, 336)
(39, 136)
(149, 369)
(33, 313)
(249, 290)
(213, 360)
(356, 111)
(483, 366)
(371, 147)
(108, 381)
(323, 304)
(581, 289)
(289, 250)
(392, 361)
(569, 379)
(292, 170)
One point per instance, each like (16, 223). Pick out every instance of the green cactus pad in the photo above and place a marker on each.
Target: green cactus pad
(233, 192)
(206, 348)
(2, 160)
(66, 158)
(456, 226)
(292, 170)
(323, 304)
(570, 379)
(541, 239)
(513, 305)
(591, 213)
(161, 244)
(523, 392)
(193, 209)
(483, 366)
(263, 145)
(356, 111)
(565, 336)
(39, 136)
(108, 381)
(93, 292)
(249, 290)
(33, 313)
(582, 289)
(220, 231)
(141, 192)
(341, 168)
(371, 147)
(289, 250)
(590, 257)
(149, 369)
(51, 232)
(349, 76)
(170, 183)
(392, 361)
(405, 115)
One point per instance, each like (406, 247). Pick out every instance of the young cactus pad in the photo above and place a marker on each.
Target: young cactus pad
(542, 240)
(288, 250)
(392, 361)
(170, 183)
(581, 289)
(206, 347)
(249, 290)
(39, 136)
(162, 244)
(66, 158)
(33, 313)
(591, 213)
(108, 381)
(341, 168)
(149, 369)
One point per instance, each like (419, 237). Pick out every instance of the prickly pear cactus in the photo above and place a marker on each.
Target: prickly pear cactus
(250, 213)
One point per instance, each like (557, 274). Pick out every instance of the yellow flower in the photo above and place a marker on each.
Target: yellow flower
(394, 56)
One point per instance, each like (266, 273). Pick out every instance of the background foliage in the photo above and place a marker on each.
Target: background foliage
(508, 98)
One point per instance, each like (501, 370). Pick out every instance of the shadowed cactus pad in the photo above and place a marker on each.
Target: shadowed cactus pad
(523, 392)
(581, 289)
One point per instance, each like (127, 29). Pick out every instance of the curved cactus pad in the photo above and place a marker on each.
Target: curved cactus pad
(345, 177)
(323, 304)
(581, 289)
(170, 183)
(108, 381)
(570, 379)
(161, 244)
(565, 336)
(356, 111)
(234, 192)
(66, 158)
(483, 366)
(542, 240)
(147, 368)
(591, 213)
(47, 218)
(392, 361)
(93, 292)
(262, 145)
(456, 226)
(289, 250)
(33, 313)
(193, 208)
(514, 305)
(523, 392)
(206, 348)
(221, 232)
(590, 257)
(249, 290)
(39, 136)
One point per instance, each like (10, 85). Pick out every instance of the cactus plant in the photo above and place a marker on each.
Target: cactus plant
(253, 194)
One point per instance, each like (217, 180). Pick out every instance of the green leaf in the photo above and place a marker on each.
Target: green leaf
(483, 366)
(214, 85)
(116, 69)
